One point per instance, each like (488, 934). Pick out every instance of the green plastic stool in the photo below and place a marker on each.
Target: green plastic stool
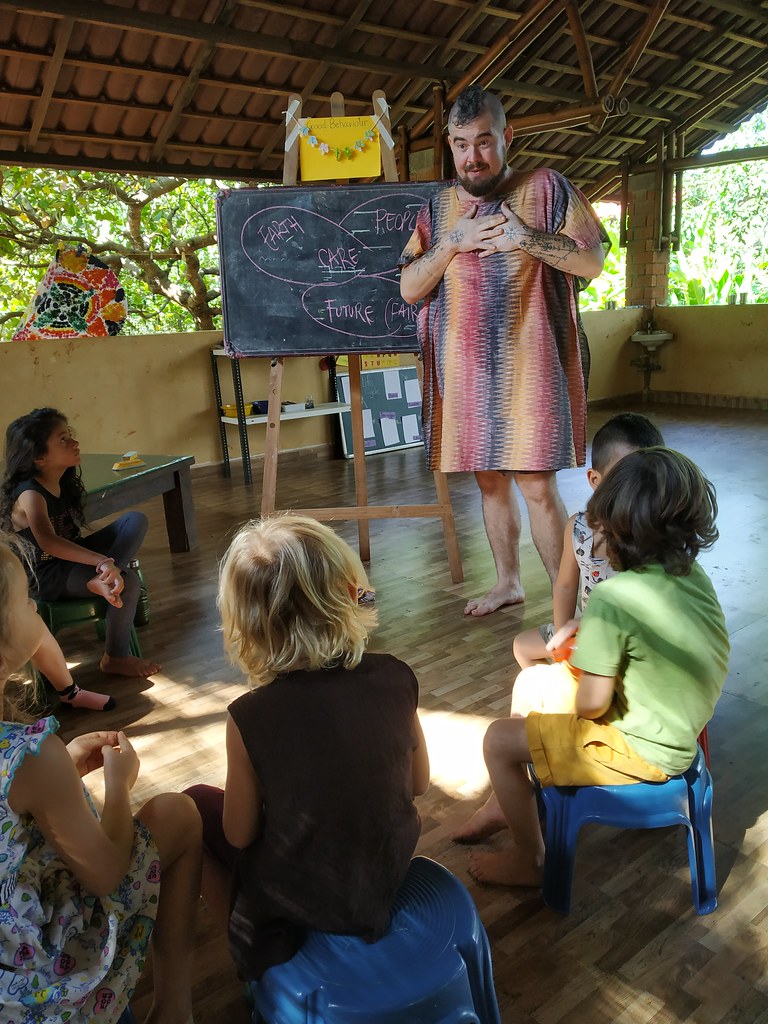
(72, 612)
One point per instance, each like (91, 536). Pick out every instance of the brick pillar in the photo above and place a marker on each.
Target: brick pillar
(647, 269)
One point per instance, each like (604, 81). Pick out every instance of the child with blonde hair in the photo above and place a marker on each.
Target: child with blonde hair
(316, 825)
(81, 894)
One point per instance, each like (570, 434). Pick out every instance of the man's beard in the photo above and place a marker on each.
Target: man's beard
(483, 188)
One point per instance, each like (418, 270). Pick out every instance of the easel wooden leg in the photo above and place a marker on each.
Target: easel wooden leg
(272, 442)
(358, 447)
(445, 510)
(449, 527)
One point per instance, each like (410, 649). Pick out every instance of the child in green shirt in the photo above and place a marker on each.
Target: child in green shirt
(651, 655)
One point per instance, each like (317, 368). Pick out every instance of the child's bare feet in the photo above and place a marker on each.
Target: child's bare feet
(496, 598)
(101, 589)
(74, 697)
(128, 666)
(484, 823)
(506, 867)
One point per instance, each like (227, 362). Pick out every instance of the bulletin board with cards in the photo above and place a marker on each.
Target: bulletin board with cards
(391, 410)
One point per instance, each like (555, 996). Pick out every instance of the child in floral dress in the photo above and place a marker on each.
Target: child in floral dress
(81, 894)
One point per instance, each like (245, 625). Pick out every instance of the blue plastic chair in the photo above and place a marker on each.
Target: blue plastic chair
(432, 967)
(683, 800)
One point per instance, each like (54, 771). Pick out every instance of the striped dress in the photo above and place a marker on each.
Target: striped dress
(505, 356)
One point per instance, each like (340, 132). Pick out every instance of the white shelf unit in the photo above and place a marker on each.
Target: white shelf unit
(321, 409)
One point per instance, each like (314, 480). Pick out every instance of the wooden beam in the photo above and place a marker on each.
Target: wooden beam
(443, 52)
(63, 34)
(520, 45)
(485, 62)
(184, 96)
(438, 136)
(369, 27)
(81, 162)
(752, 11)
(725, 91)
(118, 107)
(582, 50)
(403, 154)
(223, 36)
(677, 228)
(137, 141)
(729, 156)
(633, 54)
(624, 204)
(569, 115)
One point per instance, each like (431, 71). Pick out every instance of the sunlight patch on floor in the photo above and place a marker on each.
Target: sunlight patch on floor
(455, 745)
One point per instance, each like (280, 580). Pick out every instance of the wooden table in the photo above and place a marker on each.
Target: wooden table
(110, 491)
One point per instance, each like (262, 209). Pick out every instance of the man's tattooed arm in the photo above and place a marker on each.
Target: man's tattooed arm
(419, 277)
(552, 249)
(558, 251)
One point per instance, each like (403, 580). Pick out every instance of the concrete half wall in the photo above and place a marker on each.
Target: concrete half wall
(718, 351)
(154, 393)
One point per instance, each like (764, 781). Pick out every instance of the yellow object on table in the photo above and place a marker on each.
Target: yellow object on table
(129, 461)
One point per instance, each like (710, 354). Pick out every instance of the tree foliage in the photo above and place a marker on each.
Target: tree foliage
(724, 238)
(157, 234)
(611, 285)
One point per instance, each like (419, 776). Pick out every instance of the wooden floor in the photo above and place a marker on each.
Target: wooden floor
(632, 951)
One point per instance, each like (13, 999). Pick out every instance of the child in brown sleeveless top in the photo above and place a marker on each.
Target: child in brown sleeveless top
(316, 826)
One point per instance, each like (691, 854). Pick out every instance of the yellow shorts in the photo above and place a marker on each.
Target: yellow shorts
(570, 751)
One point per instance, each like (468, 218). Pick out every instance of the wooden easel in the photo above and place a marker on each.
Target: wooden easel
(361, 511)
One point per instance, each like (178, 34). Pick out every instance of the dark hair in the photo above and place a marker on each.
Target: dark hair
(627, 430)
(26, 439)
(473, 102)
(655, 506)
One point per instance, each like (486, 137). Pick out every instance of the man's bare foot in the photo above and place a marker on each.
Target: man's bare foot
(484, 823)
(506, 867)
(496, 598)
(128, 666)
(101, 589)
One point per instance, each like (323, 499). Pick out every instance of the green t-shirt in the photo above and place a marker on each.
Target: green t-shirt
(664, 637)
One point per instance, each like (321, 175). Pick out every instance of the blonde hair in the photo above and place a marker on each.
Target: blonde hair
(6, 553)
(288, 590)
(11, 548)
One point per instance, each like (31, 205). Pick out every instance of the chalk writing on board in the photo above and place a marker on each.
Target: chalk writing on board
(336, 274)
(315, 269)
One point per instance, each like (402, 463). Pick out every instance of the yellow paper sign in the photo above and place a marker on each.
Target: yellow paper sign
(339, 147)
(378, 361)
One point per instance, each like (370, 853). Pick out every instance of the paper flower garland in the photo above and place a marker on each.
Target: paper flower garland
(340, 152)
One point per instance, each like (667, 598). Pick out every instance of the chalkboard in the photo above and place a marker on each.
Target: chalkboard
(312, 271)
(391, 401)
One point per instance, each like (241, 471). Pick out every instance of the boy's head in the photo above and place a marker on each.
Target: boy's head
(621, 435)
(655, 506)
